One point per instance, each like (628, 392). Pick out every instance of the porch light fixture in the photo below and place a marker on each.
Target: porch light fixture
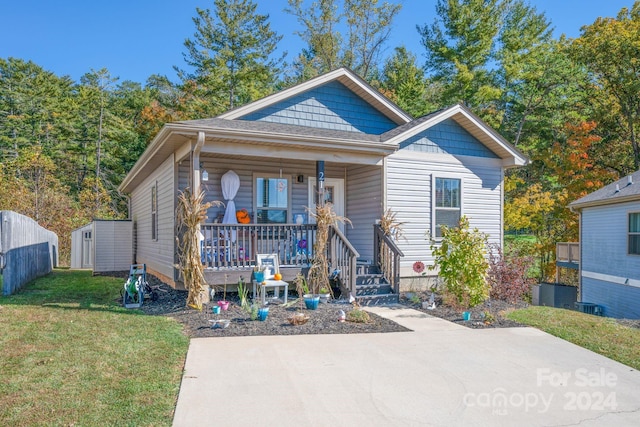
(204, 174)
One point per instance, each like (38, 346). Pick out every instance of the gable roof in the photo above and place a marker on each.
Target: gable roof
(623, 190)
(343, 75)
(470, 122)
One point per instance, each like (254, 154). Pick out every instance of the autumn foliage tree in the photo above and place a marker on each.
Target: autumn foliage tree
(571, 170)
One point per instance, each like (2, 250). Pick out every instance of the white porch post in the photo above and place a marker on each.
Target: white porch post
(195, 185)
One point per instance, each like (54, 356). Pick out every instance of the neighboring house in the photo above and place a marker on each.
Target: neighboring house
(610, 247)
(372, 154)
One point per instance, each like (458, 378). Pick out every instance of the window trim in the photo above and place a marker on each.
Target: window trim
(631, 233)
(434, 178)
(154, 212)
(254, 201)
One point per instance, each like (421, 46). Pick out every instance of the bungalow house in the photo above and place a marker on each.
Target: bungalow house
(610, 247)
(333, 137)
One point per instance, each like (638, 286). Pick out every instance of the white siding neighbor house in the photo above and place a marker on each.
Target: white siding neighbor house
(610, 247)
(332, 138)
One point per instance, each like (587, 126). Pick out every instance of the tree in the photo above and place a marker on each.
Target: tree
(459, 48)
(610, 50)
(368, 26)
(404, 83)
(230, 55)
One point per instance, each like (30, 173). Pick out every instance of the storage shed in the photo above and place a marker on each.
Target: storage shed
(103, 245)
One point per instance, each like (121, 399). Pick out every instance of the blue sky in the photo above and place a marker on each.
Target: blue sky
(137, 38)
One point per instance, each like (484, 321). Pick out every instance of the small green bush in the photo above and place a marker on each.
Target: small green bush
(462, 263)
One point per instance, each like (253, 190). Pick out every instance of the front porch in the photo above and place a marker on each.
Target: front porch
(229, 252)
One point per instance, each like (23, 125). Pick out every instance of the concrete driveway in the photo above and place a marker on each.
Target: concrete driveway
(441, 374)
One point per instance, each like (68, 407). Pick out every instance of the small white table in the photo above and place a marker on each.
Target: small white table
(275, 284)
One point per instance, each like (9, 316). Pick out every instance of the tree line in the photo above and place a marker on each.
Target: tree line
(571, 105)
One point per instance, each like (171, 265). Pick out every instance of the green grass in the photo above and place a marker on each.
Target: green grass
(71, 355)
(602, 335)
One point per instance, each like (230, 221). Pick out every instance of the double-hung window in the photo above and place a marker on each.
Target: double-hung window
(272, 199)
(447, 204)
(634, 233)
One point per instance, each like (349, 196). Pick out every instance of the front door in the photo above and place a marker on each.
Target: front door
(333, 193)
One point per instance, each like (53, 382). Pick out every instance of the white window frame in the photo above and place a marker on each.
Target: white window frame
(154, 212)
(434, 178)
(631, 233)
(257, 175)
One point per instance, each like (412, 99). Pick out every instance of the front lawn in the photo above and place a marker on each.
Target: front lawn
(71, 355)
(602, 335)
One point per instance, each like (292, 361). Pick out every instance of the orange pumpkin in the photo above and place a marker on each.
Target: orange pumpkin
(277, 276)
(243, 216)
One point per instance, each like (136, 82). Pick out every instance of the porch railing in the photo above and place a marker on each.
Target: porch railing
(386, 255)
(342, 257)
(568, 252)
(236, 245)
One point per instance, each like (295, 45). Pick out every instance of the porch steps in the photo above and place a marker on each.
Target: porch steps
(372, 288)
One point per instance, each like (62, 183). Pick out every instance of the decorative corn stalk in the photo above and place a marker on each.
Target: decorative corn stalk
(326, 217)
(190, 213)
(393, 229)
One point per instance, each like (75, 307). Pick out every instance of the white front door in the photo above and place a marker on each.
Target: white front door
(333, 193)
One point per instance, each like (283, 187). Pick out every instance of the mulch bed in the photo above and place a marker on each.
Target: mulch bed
(324, 320)
(490, 314)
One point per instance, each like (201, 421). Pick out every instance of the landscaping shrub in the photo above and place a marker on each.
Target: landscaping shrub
(508, 274)
(460, 257)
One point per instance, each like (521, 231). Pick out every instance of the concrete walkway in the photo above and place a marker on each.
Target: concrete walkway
(441, 374)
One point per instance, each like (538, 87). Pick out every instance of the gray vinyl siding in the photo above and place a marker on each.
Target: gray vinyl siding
(112, 245)
(246, 169)
(604, 249)
(619, 301)
(330, 106)
(364, 194)
(409, 181)
(157, 254)
(604, 240)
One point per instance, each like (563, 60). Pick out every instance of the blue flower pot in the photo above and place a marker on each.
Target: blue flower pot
(311, 301)
(259, 276)
(263, 313)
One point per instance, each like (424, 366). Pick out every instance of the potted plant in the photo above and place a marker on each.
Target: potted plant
(325, 294)
(223, 303)
(302, 287)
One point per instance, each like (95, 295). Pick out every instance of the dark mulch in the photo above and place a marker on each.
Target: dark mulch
(324, 320)
(490, 314)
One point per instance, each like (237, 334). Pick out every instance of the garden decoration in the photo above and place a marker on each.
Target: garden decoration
(190, 213)
(224, 304)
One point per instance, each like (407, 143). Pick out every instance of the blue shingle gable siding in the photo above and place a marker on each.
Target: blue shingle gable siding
(330, 106)
(447, 137)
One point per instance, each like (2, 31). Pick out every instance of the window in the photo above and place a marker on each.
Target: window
(447, 204)
(154, 211)
(272, 200)
(634, 233)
